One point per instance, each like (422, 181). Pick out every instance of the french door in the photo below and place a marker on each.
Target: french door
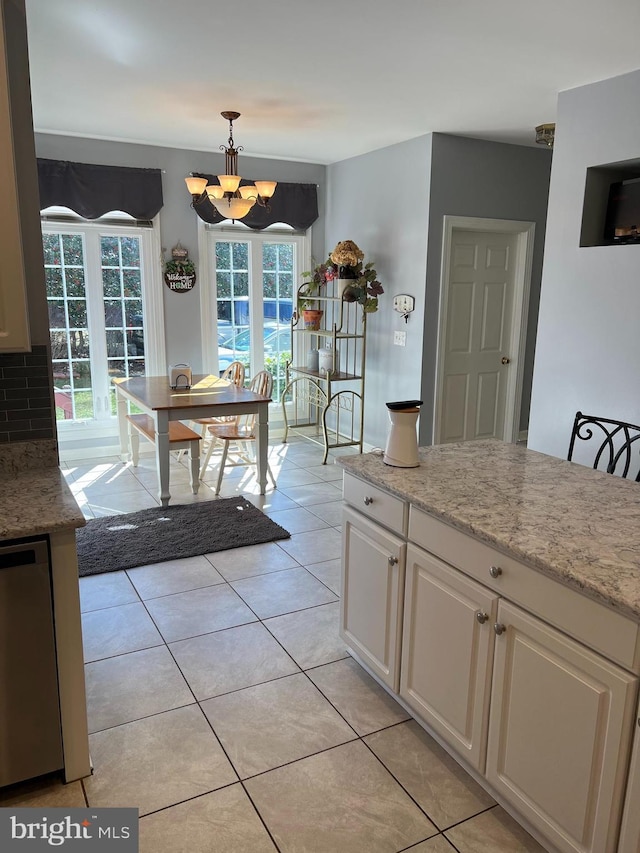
(250, 301)
(103, 317)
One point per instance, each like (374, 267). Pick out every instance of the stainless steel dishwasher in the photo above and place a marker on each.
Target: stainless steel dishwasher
(30, 735)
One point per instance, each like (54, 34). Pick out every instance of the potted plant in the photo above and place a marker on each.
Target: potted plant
(357, 282)
(314, 281)
(346, 256)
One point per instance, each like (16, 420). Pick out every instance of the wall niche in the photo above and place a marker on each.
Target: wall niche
(611, 209)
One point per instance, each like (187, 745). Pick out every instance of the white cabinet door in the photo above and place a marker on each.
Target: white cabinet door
(559, 733)
(447, 652)
(372, 591)
(630, 830)
(14, 323)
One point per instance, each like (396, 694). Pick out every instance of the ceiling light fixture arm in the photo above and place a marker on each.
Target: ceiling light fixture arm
(230, 152)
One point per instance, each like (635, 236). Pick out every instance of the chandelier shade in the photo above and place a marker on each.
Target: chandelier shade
(229, 183)
(233, 208)
(231, 200)
(196, 185)
(214, 191)
(266, 188)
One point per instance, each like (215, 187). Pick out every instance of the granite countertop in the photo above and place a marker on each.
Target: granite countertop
(34, 496)
(577, 525)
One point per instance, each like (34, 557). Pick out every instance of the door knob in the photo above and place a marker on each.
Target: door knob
(481, 616)
(495, 571)
(499, 628)
(506, 359)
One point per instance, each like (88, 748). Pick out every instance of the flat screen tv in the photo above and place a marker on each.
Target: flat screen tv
(622, 223)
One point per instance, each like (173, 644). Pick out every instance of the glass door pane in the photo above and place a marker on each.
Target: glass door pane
(65, 275)
(277, 287)
(254, 297)
(122, 305)
(233, 306)
(94, 284)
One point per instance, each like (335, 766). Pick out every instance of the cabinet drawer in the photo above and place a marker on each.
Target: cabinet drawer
(594, 624)
(377, 504)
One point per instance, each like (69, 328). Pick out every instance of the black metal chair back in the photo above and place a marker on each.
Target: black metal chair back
(611, 441)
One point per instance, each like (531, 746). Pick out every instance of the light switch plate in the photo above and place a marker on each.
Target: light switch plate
(400, 339)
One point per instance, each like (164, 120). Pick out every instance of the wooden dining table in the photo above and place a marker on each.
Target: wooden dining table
(208, 397)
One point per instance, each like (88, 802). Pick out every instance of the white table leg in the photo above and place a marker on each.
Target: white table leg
(134, 438)
(262, 446)
(121, 405)
(194, 458)
(162, 455)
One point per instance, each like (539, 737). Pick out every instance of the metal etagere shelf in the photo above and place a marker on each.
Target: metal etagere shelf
(327, 406)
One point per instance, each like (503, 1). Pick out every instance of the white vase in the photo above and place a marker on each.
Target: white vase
(343, 284)
(312, 359)
(326, 360)
(401, 450)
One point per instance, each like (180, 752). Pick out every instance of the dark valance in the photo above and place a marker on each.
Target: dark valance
(294, 204)
(91, 191)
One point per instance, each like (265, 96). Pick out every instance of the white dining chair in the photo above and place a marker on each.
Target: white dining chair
(237, 434)
(234, 373)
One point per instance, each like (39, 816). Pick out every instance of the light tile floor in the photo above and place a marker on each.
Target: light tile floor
(224, 706)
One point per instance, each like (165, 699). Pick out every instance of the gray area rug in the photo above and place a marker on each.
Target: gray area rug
(184, 530)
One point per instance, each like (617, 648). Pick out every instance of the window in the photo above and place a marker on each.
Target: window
(102, 315)
(248, 307)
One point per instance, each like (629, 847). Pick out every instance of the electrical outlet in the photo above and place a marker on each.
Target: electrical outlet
(400, 339)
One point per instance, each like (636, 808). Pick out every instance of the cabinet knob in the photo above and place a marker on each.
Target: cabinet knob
(495, 571)
(481, 616)
(393, 561)
(368, 501)
(499, 628)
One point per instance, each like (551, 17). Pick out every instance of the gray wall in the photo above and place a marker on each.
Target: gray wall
(381, 201)
(392, 203)
(177, 219)
(588, 349)
(471, 177)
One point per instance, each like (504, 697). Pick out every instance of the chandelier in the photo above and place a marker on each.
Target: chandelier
(230, 199)
(545, 134)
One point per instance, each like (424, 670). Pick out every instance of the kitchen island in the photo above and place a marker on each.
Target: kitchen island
(43, 715)
(495, 591)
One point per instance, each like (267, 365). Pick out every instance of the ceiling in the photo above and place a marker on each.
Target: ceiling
(317, 81)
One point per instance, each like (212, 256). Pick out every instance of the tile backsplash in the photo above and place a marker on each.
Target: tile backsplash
(26, 407)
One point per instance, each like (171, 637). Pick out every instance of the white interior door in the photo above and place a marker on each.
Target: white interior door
(479, 316)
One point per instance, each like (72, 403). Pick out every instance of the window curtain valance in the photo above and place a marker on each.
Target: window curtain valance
(294, 204)
(92, 190)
